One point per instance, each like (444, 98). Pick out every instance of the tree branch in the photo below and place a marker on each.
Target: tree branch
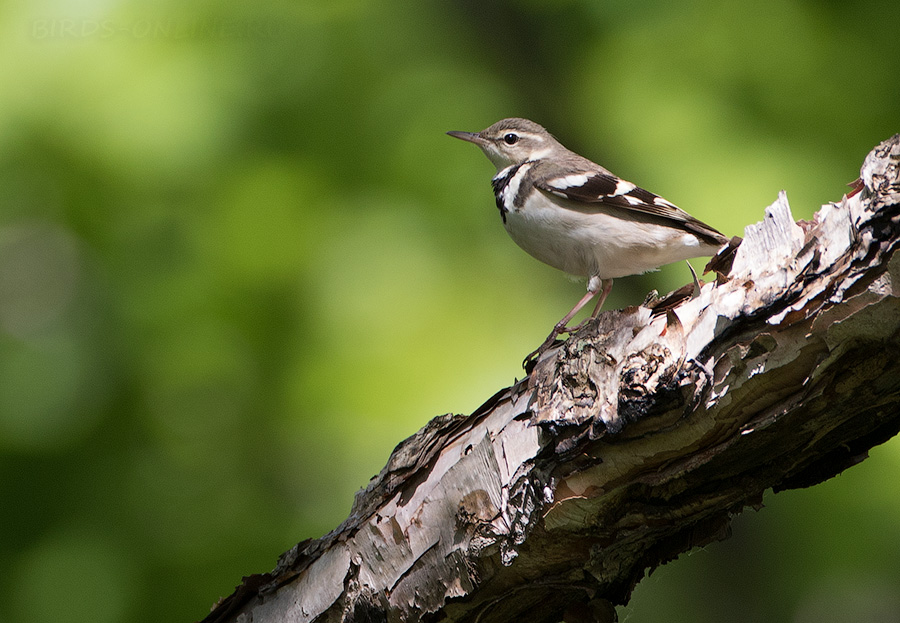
(631, 442)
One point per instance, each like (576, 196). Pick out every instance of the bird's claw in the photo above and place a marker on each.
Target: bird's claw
(531, 359)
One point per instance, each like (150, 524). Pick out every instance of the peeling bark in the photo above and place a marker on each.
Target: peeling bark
(631, 442)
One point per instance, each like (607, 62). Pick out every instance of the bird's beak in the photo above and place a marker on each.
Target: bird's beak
(472, 137)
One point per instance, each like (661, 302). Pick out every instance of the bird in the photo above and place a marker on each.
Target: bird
(580, 218)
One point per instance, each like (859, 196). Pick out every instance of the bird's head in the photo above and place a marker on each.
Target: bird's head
(512, 141)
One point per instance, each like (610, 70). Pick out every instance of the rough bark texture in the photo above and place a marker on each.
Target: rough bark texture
(635, 440)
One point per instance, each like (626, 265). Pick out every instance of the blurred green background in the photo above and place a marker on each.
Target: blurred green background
(240, 261)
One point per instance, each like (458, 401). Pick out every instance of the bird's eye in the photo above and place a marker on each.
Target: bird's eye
(511, 138)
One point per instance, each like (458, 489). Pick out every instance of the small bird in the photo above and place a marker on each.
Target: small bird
(576, 216)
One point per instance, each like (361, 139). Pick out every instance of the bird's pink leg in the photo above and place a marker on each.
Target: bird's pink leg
(561, 325)
(601, 286)
(607, 286)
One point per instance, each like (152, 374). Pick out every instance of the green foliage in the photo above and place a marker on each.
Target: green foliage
(240, 261)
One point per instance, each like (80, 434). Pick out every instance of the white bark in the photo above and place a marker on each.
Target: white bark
(631, 442)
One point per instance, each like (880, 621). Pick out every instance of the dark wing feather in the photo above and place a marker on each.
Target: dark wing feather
(599, 187)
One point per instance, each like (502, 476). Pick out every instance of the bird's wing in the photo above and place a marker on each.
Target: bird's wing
(599, 187)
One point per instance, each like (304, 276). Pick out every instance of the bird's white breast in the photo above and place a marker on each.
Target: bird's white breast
(591, 240)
